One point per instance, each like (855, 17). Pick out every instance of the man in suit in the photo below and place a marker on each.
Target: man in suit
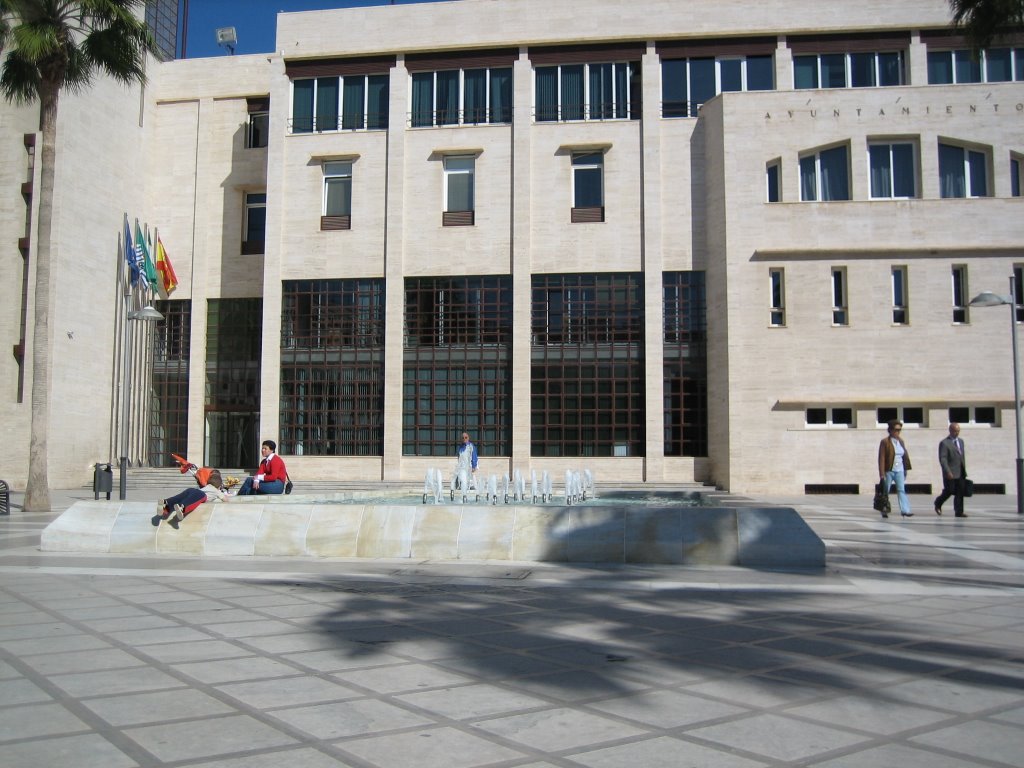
(954, 471)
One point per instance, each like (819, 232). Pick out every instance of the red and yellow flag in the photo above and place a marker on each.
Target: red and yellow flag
(168, 279)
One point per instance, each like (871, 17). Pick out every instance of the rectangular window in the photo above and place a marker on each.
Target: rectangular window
(459, 177)
(840, 310)
(892, 170)
(849, 70)
(332, 367)
(457, 372)
(900, 304)
(685, 382)
(587, 393)
(960, 297)
(687, 83)
(1015, 164)
(258, 130)
(910, 415)
(963, 172)
(255, 222)
(829, 416)
(337, 208)
(587, 187)
(772, 176)
(825, 175)
(973, 414)
(777, 297)
(1018, 291)
(352, 102)
(168, 430)
(993, 65)
(461, 97)
(587, 92)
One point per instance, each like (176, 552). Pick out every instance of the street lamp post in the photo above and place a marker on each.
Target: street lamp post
(146, 314)
(989, 299)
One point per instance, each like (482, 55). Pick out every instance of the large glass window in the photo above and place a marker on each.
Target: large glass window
(352, 102)
(687, 83)
(332, 367)
(168, 429)
(685, 407)
(963, 172)
(457, 373)
(825, 175)
(892, 169)
(587, 92)
(587, 373)
(848, 70)
(461, 96)
(234, 344)
(993, 65)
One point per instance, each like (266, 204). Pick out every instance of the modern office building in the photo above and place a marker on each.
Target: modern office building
(705, 242)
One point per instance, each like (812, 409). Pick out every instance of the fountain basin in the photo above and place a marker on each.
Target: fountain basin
(298, 526)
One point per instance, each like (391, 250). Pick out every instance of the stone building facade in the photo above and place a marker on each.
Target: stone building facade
(701, 242)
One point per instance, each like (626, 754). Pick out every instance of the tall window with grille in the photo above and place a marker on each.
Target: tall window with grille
(587, 365)
(457, 372)
(234, 342)
(685, 367)
(168, 427)
(332, 367)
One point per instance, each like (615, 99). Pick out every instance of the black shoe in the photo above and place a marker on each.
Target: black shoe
(173, 521)
(938, 510)
(155, 519)
(961, 515)
(906, 514)
(885, 514)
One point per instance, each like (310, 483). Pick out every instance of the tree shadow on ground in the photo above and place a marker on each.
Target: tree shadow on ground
(573, 643)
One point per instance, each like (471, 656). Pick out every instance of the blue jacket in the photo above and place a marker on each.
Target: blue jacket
(473, 455)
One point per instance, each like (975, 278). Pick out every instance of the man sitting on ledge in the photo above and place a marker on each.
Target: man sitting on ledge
(270, 477)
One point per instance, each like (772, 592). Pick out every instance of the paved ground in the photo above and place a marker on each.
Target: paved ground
(905, 651)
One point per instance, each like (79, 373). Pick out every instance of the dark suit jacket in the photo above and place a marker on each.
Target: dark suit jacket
(953, 463)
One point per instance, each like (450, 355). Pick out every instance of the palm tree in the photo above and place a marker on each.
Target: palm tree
(983, 20)
(57, 45)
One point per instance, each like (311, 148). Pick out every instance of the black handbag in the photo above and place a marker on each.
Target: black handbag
(968, 488)
(881, 500)
(287, 484)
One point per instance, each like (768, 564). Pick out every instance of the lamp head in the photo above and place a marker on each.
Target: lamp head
(146, 313)
(989, 299)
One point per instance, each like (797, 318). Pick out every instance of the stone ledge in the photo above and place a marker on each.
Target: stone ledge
(775, 537)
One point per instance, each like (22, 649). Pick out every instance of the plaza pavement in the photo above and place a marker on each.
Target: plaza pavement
(907, 650)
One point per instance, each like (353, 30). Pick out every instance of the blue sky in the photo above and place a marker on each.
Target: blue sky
(254, 21)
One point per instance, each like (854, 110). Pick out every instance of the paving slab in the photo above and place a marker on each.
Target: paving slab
(903, 650)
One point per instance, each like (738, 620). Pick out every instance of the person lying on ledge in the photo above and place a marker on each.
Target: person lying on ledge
(174, 508)
(270, 477)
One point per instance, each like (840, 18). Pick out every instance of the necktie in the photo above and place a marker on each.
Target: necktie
(959, 447)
